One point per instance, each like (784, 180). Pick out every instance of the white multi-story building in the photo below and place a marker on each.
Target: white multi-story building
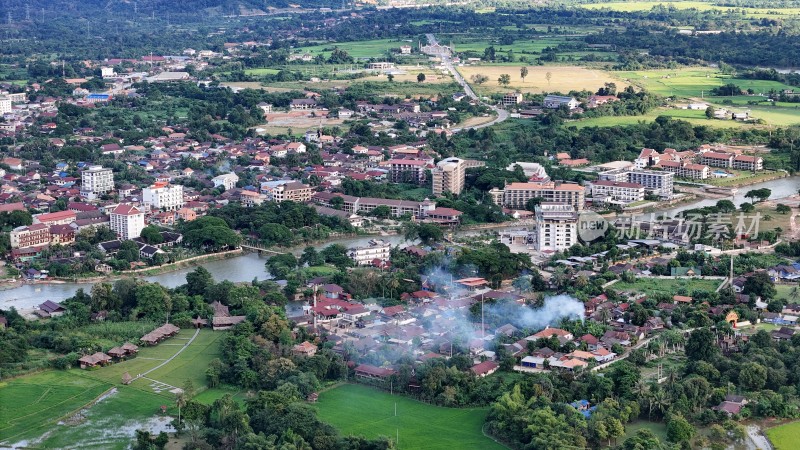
(556, 227)
(687, 170)
(96, 180)
(617, 192)
(557, 101)
(227, 180)
(654, 182)
(746, 162)
(127, 221)
(293, 191)
(715, 159)
(164, 196)
(377, 250)
(5, 105)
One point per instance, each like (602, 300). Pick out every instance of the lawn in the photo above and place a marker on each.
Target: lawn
(365, 411)
(694, 117)
(784, 437)
(785, 291)
(651, 286)
(659, 429)
(563, 78)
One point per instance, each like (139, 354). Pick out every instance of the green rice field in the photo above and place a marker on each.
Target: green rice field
(784, 437)
(365, 411)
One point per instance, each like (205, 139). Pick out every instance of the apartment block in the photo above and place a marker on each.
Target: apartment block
(751, 163)
(448, 176)
(655, 182)
(291, 192)
(687, 170)
(556, 227)
(617, 192)
(715, 159)
(376, 250)
(164, 196)
(360, 205)
(30, 236)
(407, 170)
(516, 195)
(127, 221)
(96, 180)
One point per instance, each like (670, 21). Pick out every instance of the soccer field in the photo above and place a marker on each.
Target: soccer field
(365, 411)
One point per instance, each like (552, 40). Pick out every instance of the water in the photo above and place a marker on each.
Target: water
(780, 188)
(239, 269)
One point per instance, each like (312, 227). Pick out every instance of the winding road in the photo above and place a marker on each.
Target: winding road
(502, 114)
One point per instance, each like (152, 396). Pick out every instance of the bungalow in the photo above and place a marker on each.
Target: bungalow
(50, 309)
(484, 369)
(783, 334)
(371, 372)
(97, 359)
(304, 348)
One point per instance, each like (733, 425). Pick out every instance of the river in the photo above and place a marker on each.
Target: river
(246, 267)
(238, 269)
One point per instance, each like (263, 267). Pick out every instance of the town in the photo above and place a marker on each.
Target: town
(396, 225)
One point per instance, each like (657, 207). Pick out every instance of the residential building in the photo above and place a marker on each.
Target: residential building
(654, 182)
(376, 250)
(556, 227)
(715, 159)
(405, 49)
(227, 180)
(381, 65)
(293, 191)
(407, 170)
(5, 105)
(687, 170)
(557, 101)
(127, 221)
(357, 205)
(512, 98)
(448, 176)
(250, 198)
(30, 236)
(56, 218)
(751, 163)
(516, 195)
(617, 192)
(301, 104)
(163, 196)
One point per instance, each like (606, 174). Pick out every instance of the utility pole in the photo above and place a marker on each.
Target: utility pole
(27, 12)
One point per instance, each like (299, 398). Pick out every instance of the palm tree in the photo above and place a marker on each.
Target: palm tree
(794, 294)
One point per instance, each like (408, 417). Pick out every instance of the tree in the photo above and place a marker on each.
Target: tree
(548, 76)
(151, 235)
(761, 285)
(523, 72)
(198, 281)
(701, 345)
(783, 209)
(280, 265)
(504, 80)
(311, 257)
(726, 206)
(747, 207)
(420, 77)
(390, 77)
(153, 301)
(710, 112)
(276, 234)
(479, 78)
(679, 429)
(752, 376)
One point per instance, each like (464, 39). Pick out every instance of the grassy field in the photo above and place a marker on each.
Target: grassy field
(33, 402)
(784, 437)
(358, 49)
(692, 116)
(740, 176)
(563, 78)
(701, 6)
(666, 286)
(41, 400)
(659, 429)
(692, 82)
(784, 291)
(189, 365)
(361, 410)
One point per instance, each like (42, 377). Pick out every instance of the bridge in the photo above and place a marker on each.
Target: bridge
(256, 247)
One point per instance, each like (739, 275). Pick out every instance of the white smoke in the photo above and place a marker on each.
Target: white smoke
(551, 312)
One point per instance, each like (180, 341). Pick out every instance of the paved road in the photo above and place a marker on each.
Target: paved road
(502, 114)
